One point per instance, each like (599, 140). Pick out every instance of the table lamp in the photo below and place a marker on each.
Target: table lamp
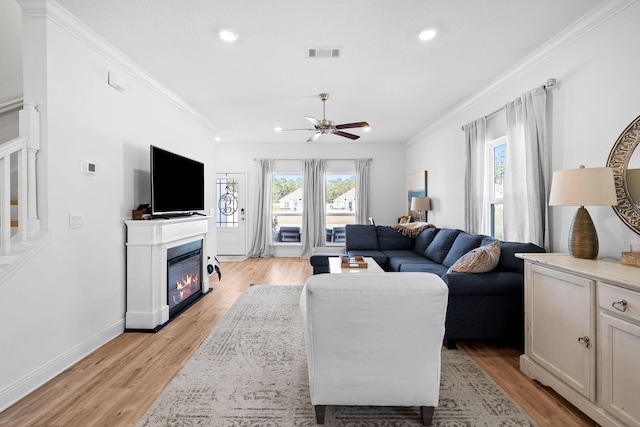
(583, 187)
(421, 204)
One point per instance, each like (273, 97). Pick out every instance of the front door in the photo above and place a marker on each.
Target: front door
(230, 215)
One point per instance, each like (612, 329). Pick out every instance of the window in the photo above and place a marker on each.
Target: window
(340, 210)
(287, 207)
(495, 152)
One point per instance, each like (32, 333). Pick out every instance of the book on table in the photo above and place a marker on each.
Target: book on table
(353, 262)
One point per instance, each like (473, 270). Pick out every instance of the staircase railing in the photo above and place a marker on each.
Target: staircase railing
(18, 177)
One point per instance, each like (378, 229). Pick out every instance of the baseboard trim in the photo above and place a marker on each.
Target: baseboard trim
(21, 388)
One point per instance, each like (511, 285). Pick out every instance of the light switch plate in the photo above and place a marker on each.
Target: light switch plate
(76, 220)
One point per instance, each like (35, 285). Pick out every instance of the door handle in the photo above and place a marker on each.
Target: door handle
(584, 341)
(620, 305)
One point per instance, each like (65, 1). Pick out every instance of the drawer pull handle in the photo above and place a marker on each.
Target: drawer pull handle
(584, 341)
(620, 305)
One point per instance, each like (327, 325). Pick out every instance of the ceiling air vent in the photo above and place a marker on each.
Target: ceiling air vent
(324, 52)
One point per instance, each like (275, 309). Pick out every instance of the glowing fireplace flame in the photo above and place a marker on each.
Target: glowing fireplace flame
(186, 286)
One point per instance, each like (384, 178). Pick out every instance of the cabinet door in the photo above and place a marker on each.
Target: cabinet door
(619, 350)
(561, 326)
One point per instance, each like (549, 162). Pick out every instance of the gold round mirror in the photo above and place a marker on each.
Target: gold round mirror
(625, 161)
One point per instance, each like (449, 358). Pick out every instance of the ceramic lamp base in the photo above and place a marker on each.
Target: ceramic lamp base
(583, 239)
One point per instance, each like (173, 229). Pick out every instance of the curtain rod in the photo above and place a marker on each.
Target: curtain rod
(305, 159)
(550, 84)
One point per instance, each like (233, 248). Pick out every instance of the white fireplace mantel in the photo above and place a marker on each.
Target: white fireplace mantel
(147, 244)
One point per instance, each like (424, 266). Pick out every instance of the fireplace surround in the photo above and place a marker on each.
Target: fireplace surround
(159, 253)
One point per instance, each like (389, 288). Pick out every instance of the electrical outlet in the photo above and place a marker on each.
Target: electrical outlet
(76, 220)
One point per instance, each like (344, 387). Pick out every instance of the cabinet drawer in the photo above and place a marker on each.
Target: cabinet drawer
(623, 302)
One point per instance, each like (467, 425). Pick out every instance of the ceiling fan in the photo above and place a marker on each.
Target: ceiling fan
(324, 126)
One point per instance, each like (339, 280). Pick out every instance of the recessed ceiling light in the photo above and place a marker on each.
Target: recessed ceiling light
(426, 34)
(217, 139)
(228, 35)
(277, 129)
(367, 128)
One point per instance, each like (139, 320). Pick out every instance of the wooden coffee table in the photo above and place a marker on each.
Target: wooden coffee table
(335, 268)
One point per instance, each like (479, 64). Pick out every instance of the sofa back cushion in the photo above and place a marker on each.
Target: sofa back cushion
(361, 236)
(392, 239)
(424, 239)
(508, 251)
(440, 245)
(464, 243)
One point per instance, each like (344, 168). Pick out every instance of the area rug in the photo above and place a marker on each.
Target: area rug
(252, 371)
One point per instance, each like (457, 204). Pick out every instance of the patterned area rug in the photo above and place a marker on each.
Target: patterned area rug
(252, 371)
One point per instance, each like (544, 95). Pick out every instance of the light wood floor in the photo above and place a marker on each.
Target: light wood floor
(116, 384)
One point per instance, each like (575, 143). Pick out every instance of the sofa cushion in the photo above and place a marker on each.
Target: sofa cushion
(484, 284)
(488, 239)
(478, 260)
(424, 239)
(508, 251)
(440, 245)
(361, 236)
(464, 243)
(390, 238)
(397, 258)
(424, 267)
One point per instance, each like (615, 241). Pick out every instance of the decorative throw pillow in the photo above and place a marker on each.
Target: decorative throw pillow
(478, 260)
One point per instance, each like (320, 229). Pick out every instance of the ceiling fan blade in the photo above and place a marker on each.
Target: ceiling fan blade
(313, 120)
(314, 136)
(353, 125)
(346, 135)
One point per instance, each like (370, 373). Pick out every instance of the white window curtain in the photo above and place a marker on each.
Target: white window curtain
(526, 214)
(362, 191)
(313, 213)
(262, 245)
(475, 187)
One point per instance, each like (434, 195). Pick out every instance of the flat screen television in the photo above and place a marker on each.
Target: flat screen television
(177, 184)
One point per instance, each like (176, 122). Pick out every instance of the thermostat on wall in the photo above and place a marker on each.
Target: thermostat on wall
(88, 167)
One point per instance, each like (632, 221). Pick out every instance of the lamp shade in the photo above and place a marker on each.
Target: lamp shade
(420, 204)
(583, 187)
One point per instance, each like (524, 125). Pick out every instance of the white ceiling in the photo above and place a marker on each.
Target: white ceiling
(385, 75)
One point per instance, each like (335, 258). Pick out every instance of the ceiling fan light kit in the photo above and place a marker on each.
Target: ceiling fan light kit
(324, 126)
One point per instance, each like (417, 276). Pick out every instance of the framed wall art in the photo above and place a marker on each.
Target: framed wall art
(416, 187)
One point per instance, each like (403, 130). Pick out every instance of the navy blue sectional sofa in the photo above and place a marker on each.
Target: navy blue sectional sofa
(482, 306)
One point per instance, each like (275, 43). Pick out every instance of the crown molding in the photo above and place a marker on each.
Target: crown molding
(597, 16)
(55, 13)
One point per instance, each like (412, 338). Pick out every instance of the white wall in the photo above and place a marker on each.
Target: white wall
(388, 178)
(70, 298)
(8, 125)
(10, 51)
(596, 98)
(10, 66)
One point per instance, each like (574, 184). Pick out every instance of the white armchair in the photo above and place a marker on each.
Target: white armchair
(374, 339)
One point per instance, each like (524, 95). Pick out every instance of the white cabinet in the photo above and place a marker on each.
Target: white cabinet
(619, 350)
(562, 326)
(582, 333)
